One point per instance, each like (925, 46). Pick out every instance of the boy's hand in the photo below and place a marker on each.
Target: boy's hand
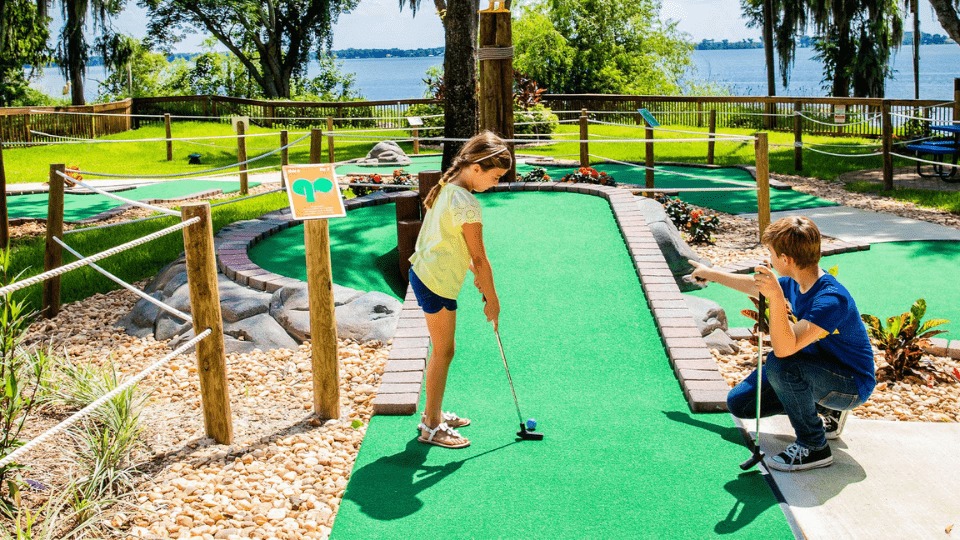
(698, 272)
(492, 310)
(767, 282)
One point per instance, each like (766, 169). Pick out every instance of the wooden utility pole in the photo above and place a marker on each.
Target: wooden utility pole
(53, 252)
(201, 266)
(323, 324)
(496, 78)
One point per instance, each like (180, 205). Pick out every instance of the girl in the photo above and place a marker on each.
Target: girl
(450, 243)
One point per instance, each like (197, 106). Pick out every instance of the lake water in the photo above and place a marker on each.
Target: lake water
(741, 71)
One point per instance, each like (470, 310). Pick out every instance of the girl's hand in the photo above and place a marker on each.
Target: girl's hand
(767, 282)
(491, 308)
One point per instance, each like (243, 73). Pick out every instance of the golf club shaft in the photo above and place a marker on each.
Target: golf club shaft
(509, 378)
(761, 304)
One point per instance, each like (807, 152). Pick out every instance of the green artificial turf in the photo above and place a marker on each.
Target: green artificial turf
(78, 207)
(884, 281)
(622, 455)
(363, 251)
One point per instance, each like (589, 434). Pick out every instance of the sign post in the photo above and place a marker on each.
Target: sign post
(314, 197)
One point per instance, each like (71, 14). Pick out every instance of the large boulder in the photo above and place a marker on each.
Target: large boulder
(373, 316)
(386, 153)
(675, 250)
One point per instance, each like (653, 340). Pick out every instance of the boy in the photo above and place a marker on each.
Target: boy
(822, 359)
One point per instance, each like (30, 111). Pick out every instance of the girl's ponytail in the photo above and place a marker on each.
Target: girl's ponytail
(450, 174)
(485, 149)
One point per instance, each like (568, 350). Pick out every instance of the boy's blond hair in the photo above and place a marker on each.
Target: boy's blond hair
(797, 237)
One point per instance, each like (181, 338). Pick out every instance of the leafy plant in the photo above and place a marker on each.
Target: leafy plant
(526, 91)
(536, 120)
(696, 223)
(21, 375)
(589, 175)
(538, 174)
(902, 339)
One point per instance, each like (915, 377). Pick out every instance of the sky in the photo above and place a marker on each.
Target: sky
(379, 24)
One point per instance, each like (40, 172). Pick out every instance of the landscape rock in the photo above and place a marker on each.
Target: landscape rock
(708, 314)
(386, 152)
(675, 250)
(261, 330)
(373, 316)
(719, 341)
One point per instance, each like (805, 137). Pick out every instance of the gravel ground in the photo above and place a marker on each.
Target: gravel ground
(284, 475)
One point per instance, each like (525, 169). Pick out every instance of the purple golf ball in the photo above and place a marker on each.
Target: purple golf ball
(531, 424)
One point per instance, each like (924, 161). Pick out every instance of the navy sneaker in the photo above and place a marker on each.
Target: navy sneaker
(833, 422)
(800, 458)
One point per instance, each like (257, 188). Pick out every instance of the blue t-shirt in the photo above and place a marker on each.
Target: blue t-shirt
(828, 305)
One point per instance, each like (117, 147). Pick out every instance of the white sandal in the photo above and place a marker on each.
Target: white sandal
(447, 442)
(450, 418)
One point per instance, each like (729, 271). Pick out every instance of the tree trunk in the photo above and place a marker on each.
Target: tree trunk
(459, 75)
(74, 52)
(949, 17)
(768, 47)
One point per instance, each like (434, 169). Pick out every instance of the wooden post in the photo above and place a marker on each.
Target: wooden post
(323, 324)
(956, 100)
(28, 136)
(4, 215)
(408, 228)
(166, 123)
(53, 253)
(285, 153)
(648, 157)
(495, 57)
(584, 137)
(316, 144)
(201, 266)
(700, 114)
(242, 156)
(426, 180)
(763, 182)
(271, 113)
(797, 137)
(330, 151)
(887, 145)
(712, 145)
(416, 141)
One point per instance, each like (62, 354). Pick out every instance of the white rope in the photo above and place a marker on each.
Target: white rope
(743, 138)
(33, 280)
(195, 173)
(666, 130)
(77, 140)
(169, 309)
(116, 224)
(231, 201)
(36, 441)
(664, 171)
(914, 158)
(744, 113)
(871, 154)
(70, 180)
(834, 124)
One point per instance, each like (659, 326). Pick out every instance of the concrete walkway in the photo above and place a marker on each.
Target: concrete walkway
(888, 480)
(846, 223)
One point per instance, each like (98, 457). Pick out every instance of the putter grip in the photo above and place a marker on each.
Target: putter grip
(762, 325)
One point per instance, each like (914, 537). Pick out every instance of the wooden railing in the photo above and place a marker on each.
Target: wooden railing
(861, 115)
(302, 114)
(26, 124)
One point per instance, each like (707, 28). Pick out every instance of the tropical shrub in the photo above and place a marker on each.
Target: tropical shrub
(589, 175)
(536, 120)
(697, 224)
(538, 174)
(902, 339)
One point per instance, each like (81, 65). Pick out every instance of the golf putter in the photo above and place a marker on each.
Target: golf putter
(758, 455)
(523, 433)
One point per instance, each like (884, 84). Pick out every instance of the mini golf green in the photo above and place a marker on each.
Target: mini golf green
(79, 207)
(622, 457)
(363, 251)
(731, 202)
(885, 280)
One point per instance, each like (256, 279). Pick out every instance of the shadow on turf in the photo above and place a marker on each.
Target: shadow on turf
(729, 434)
(388, 488)
(753, 498)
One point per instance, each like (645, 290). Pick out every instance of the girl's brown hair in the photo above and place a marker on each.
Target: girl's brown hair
(485, 149)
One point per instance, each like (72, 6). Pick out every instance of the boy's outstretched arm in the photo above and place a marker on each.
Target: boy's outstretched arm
(739, 282)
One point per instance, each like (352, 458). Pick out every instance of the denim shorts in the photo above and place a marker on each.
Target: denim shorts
(429, 301)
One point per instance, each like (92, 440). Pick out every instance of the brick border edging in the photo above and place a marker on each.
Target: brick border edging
(399, 394)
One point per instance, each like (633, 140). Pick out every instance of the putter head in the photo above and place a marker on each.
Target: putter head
(757, 457)
(528, 435)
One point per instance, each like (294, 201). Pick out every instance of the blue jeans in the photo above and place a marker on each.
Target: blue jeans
(794, 386)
